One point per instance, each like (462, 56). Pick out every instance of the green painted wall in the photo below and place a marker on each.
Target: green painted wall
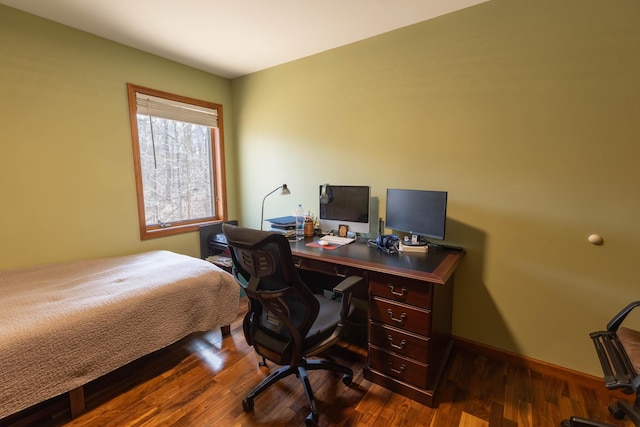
(526, 112)
(67, 186)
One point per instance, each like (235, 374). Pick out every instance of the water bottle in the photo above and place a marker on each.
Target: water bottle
(299, 223)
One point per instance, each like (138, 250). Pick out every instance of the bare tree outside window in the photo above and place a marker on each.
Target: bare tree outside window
(177, 148)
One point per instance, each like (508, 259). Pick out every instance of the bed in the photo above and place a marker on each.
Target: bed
(66, 324)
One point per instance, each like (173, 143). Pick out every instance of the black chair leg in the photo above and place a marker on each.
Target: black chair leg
(300, 372)
(285, 371)
(620, 410)
(583, 422)
(312, 418)
(625, 408)
(318, 364)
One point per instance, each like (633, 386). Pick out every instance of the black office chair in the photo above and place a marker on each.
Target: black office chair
(618, 350)
(286, 322)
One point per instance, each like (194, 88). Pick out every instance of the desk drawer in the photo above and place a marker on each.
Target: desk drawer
(398, 367)
(399, 341)
(399, 315)
(326, 267)
(400, 289)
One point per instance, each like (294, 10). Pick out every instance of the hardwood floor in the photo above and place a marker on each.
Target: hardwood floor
(202, 380)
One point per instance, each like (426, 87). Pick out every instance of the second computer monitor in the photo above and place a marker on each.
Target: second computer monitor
(345, 205)
(418, 212)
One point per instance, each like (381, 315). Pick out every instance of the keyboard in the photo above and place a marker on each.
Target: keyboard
(337, 240)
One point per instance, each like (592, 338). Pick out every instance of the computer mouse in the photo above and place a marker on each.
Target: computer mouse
(323, 242)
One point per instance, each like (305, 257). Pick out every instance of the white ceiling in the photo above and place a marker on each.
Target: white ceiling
(233, 38)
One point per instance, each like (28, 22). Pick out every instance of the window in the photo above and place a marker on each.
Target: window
(178, 160)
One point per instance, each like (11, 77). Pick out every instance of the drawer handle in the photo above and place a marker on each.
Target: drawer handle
(394, 370)
(339, 273)
(403, 316)
(402, 293)
(403, 343)
(298, 263)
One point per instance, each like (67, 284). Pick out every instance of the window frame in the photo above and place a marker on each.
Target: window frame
(217, 162)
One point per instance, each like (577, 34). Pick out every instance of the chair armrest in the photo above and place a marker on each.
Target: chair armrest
(617, 320)
(346, 286)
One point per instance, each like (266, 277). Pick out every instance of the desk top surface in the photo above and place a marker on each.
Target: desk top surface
(436, 266)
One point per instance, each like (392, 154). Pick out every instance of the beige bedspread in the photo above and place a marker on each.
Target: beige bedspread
(64, 325)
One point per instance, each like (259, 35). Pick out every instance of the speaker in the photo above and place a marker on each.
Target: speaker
(324, 195)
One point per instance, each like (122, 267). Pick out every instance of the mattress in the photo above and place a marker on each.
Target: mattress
(66, 324)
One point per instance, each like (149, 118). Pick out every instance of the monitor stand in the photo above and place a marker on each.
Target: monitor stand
(415, 241)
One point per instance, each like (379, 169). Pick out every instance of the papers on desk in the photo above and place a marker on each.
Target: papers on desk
(286, 233)
(283, 221)
(285, 225)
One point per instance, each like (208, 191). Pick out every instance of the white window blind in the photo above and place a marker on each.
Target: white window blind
(175, 110)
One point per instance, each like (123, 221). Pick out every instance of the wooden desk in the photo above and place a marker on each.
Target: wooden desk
(410, 301)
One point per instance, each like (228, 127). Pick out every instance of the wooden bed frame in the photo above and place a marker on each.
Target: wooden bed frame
(77, 404)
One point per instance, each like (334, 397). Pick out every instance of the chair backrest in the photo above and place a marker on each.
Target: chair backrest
(282, 308)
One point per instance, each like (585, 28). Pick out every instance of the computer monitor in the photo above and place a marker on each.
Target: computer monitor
(344, 205)
(418, 212)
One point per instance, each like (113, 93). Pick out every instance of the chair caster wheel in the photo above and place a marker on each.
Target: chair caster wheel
(247, 405)
(616, 412)
(311, 420)
(347, 379)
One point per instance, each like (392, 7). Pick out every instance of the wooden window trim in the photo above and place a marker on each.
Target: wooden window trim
(219, 176)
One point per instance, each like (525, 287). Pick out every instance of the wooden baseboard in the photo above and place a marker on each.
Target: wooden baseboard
(530, 363)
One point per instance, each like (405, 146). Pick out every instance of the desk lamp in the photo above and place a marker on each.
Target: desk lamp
(284, 192)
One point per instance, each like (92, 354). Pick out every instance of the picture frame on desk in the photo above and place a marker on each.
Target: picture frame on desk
(343, 229)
